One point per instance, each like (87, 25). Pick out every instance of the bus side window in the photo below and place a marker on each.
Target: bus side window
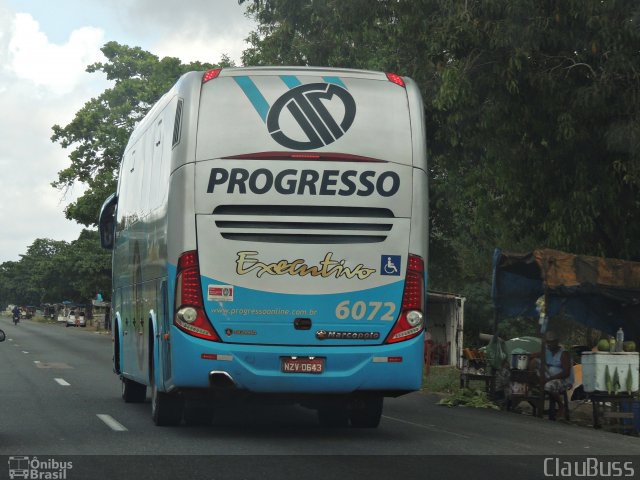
(134, 191)
(124, 193)
(155, 167)
(106, 222)
(144, 175)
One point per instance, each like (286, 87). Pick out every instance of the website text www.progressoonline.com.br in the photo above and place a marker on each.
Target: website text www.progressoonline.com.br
(264, 311)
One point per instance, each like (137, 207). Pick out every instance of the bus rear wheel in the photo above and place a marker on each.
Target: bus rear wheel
(133, 392)
(198, 415)
(366, 412)
(333, 416)
(166, 409)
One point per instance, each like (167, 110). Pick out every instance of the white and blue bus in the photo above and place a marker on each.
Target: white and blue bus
(269, 237)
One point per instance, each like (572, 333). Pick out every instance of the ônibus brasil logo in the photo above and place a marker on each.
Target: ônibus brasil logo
(307, 106)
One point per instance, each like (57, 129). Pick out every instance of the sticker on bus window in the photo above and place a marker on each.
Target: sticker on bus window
(390, 265)
(220, 293)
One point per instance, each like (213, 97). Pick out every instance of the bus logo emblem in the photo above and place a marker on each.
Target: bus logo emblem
(306, 104)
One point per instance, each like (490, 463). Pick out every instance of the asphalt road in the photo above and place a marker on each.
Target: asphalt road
(60, 400)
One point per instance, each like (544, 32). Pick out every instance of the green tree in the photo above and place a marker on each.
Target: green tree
(52, 271)
(88, 267)
(33, 279)
(532, 111)
(98, 134)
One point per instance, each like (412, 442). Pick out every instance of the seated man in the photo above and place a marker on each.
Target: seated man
(558, 374)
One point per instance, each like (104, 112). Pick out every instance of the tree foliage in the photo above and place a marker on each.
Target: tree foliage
(532, 111)
(98, 134)
(52, 271)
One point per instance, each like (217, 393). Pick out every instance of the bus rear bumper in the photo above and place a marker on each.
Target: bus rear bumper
(258, 369)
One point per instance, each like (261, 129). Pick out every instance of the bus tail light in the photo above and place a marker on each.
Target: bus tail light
(190, 316)
(211, 75)
(397, 79)
(411, 321)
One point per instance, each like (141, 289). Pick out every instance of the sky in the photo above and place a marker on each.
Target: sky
(45, 46)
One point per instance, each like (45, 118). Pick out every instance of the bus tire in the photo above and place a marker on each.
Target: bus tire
(366, 412)
(133, 392)
(198, 415)
(333, 416)
(166, 409)
(116, 351)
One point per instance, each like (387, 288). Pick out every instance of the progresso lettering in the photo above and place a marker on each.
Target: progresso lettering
(305, 182)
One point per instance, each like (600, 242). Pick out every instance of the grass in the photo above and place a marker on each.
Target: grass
(441, 379)
(445, 381)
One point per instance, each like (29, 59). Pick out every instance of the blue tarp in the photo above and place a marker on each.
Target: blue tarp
(596, 292)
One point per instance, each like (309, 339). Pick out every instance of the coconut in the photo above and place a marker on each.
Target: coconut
(629, 346)
(603, 345)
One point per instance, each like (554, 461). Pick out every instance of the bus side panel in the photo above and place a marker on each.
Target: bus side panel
(418, 128)
(181, 230)
(419, 238)
(181, 218)
(140, 253)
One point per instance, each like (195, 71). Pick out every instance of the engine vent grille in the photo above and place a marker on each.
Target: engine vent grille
(303, 224)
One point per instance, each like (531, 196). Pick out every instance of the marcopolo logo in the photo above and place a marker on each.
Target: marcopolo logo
(332, 335)
(307, 106)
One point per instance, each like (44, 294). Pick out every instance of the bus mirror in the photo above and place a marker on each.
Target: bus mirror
(107, 222)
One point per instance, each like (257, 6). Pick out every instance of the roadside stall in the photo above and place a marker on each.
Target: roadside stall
(445, 327)
(596, 292)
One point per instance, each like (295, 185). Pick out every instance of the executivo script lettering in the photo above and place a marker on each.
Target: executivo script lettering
(248, 262)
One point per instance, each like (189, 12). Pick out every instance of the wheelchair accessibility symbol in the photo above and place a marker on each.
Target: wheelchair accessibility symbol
(390, 265)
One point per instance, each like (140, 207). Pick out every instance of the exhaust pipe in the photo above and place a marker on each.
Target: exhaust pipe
(221, 380)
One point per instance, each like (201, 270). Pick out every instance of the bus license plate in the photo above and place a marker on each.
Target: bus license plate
(302, 364)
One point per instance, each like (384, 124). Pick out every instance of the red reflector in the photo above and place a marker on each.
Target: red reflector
(395, 359)
(395, 78)
(416, 263)
(413, 287)
(210, 75)
(188, 259)
(209, 356)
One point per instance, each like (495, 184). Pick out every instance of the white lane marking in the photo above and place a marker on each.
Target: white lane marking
(112, 423)
(434, 428)
(36, 361)
(62, 381)
(24, 352)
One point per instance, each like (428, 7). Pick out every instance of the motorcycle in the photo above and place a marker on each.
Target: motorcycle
(16, 318)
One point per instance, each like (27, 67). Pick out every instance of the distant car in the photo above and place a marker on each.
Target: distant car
(76, 319)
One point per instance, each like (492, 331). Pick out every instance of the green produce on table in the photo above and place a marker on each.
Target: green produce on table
(616, 381)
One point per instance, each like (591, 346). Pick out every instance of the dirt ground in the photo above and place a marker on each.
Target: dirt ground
(581, 414)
